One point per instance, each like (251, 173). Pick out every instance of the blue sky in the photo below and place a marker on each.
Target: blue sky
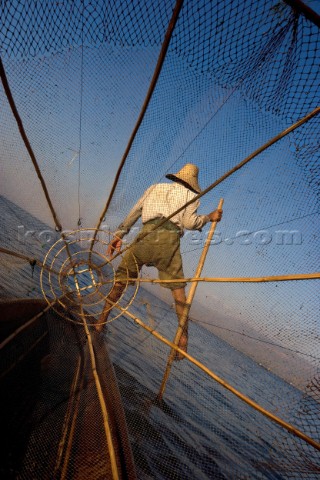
(93, 96)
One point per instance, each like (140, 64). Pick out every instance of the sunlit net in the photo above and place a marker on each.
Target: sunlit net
(235, 75)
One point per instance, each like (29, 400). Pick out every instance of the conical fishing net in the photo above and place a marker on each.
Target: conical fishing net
(99, 100)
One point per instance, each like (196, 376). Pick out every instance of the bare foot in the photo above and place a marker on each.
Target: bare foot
(183, 344)
(99, 325)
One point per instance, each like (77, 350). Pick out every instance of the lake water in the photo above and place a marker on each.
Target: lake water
(201, 430)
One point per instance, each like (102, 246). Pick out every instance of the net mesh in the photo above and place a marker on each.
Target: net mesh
(235, 75)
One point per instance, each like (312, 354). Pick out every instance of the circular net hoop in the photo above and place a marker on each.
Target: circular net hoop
(79, 280)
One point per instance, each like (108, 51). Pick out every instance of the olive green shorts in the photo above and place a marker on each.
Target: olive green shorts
(159, 249)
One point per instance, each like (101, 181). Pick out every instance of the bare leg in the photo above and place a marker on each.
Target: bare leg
(179, 296)
(113, 296)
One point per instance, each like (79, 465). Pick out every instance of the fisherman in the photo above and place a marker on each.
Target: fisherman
(160, 247)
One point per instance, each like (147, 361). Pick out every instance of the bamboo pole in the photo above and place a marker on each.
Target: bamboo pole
(300, 7)
(290, 428)
(23, 356)
(152, 86)
(230, 172)
(26, 325)
(27, 144)
(68, 429)
(103, 406)
(26, 258)
(183, 320)
(271, 278)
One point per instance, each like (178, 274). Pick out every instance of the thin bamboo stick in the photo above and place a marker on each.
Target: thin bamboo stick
(25, 139)
(103, 406)
(272, 278)
(184, 318)
(26, 325)
(153, 83)
(290, 428)
(230, 172)
(301, 7)
(23, 356)
(68, 429)
(27, 144)
(6, 251)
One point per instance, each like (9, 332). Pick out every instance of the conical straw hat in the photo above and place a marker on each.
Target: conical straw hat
(188, 176)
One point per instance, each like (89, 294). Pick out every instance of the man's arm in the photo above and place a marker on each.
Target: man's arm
(193, 221)
(125, 226)
(132, 216)
(130, 220)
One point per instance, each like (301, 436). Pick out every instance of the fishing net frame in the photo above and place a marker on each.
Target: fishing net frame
(81, 12)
